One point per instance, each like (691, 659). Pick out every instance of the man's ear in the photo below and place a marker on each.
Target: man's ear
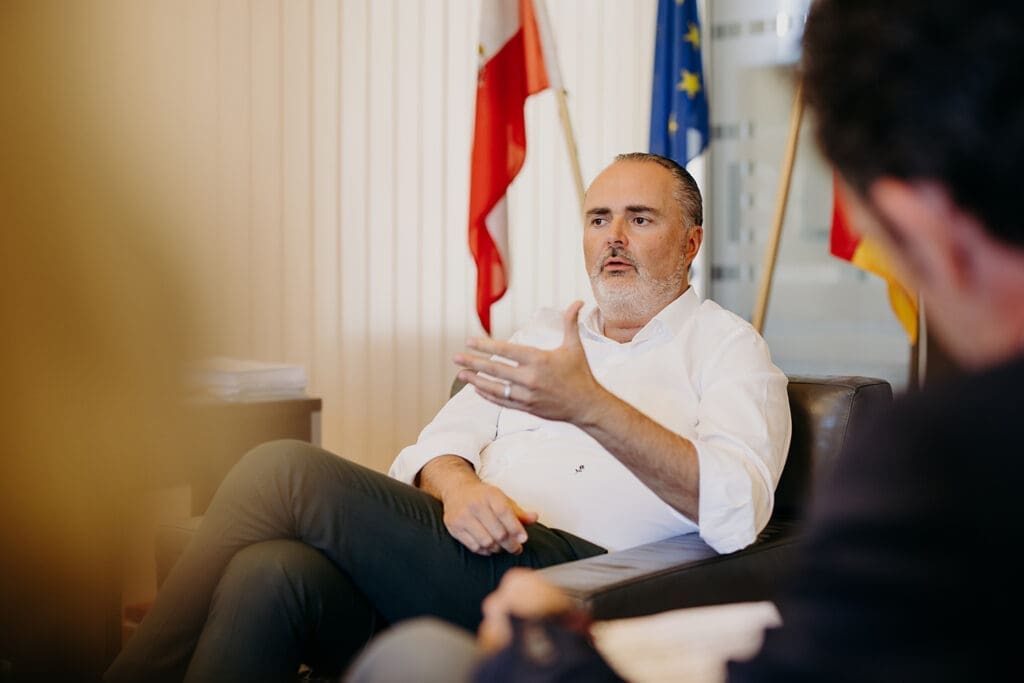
(926, 230)
(694, 238)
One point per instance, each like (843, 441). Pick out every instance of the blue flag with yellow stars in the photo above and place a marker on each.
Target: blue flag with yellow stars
(679, 107)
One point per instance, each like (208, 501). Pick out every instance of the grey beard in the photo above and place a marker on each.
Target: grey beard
(619, 301)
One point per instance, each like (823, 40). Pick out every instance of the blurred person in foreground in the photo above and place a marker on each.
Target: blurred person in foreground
(908, 572)
(95, 324)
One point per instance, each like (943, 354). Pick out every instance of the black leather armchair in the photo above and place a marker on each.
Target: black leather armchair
(684, 571)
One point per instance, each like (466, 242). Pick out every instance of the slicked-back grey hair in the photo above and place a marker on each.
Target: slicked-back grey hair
(686, 191)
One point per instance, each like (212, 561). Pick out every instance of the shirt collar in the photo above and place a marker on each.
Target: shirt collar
(668, 320)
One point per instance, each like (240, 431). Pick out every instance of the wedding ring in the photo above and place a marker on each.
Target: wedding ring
(508, 391)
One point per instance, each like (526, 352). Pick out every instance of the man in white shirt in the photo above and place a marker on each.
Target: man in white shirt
(681, 392)
(654, 415)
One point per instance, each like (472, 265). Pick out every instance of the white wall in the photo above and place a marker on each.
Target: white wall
(327, 181)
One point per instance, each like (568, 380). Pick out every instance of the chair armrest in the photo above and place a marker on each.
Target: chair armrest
(682, 571)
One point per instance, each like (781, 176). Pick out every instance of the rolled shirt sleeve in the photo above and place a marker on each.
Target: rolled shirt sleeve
(743, 433)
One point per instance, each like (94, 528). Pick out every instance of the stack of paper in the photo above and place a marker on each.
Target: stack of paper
(692, 644)
(233, 379)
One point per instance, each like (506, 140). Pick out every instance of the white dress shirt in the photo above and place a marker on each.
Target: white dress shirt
(696, 369)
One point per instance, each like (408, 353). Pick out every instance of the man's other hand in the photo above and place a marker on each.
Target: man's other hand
(478, 515)
(484, 519)
(522, 593)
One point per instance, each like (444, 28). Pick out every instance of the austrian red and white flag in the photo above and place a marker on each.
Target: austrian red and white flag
(516, 61)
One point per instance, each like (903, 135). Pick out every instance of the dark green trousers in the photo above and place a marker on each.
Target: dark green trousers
(301, 557)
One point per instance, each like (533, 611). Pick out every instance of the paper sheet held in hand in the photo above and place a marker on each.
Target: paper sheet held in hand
(691, 645)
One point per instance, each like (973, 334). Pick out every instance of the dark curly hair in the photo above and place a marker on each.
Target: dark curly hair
(923, 90)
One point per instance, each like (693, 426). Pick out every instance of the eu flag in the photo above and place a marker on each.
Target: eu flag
(679, 107)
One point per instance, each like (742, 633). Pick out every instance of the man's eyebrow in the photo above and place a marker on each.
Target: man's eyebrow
(642, 209)
(633, 208)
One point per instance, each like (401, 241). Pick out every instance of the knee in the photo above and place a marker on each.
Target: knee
(286, 476)
(275, 459)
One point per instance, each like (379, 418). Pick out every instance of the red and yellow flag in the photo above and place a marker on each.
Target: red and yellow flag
(847, 244)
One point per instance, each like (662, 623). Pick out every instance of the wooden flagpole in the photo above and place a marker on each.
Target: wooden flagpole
(781, 199)
(570, 144)
(918, 352)
(548, 37)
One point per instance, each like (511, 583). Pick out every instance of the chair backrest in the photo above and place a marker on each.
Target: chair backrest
(826, 410)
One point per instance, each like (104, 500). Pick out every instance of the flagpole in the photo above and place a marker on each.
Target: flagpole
(551, 55)
(918, 351)
(570, 143)
(781, 199)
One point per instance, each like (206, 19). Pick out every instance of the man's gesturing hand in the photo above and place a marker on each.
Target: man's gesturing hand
(478, 515)
(555, 384)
